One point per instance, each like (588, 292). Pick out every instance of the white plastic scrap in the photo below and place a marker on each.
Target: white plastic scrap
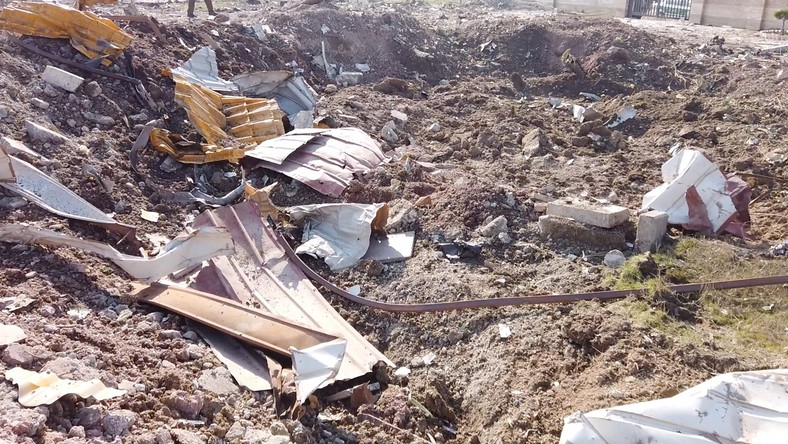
(45, 388)
(685, 169)
(316, 366)
(746, 407)
(337, 233)
(504, 331)
(624, 114)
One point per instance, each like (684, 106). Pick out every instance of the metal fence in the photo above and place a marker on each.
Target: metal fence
(674, 9)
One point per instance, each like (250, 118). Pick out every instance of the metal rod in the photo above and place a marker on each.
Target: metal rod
(525, 300)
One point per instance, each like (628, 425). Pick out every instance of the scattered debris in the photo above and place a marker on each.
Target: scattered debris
(385, 248)
(624, 114)
(338, 233)
(201, 69)
(726, 402)
(615, 259)
(504, 331)
(698, 196)
(63, 79)
(150, 216)
(460, 249)
(93, 36)
(10, 334)
(245, 365)
(291, 92)
(46, 387)
(428, 358)
(182, 252)
(324, 159)
(316, 366)
(37, 187)
(652, 226)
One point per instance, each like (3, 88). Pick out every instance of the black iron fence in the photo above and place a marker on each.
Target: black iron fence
(674, 9)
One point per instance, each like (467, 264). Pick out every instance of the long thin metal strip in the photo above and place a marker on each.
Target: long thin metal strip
(255, 327)
(525, 300)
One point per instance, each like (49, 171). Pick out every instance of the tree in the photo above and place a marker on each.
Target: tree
(782, 14)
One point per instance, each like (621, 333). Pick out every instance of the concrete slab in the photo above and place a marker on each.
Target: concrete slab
(63, 79)
(603, 216)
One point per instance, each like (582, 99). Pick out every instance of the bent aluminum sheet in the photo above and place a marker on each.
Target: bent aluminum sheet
(202, 68)
(45, 388)
(35, 186)
(324, 159)
(261, 274)
(747, 407)
(182, 252)
(337, 233)
(316, 366)
(258, 328)
(687, 169)
(247, 366)
(291, 92)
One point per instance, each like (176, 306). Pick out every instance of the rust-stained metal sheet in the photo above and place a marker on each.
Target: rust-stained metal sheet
(46, 387)
(324, 159)
(256, 327)
(37, 187)
(260, 273)
(90, 34)
(182, 252)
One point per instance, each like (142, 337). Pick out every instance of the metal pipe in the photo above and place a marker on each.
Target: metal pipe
(524, 300)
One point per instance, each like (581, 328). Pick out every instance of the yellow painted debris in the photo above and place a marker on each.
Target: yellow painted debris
(90, 34)
(231, 125)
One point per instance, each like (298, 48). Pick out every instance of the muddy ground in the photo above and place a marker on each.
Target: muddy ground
(468, 144)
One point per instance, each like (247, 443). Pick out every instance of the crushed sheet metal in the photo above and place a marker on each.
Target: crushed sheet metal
(10, 334)
(276, 283)
(203, 69)
(324, 159)
(386, 248)
(692, 183)
(37, 187)
(245, 365)
(316, 366)
(291, 92)
(182, 252)
(336, 233)
(262, 198)
(11, 146)
(746, 407)
(46, 387)
(90, 34)
(624, 114)
(258, 328)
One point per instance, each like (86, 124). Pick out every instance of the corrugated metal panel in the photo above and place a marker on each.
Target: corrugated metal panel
(261, 274)
(326, 162)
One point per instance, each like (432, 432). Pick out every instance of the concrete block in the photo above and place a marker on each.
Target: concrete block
(64, 79)
(570, 233)
(43, 134)
(603, 216)
(652, 225)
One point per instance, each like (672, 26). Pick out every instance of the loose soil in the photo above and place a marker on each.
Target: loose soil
(467, 144)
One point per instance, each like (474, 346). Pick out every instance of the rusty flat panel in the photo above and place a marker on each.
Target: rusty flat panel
(260, 329)
(264, 272)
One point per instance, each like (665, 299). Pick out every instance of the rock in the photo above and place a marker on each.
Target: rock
(3, 112)
(389, 134)
(22, 422)
(603, 216)
(454, 336)
(235, 433)
(170, 165)
(189, 406)
(435, 128)
(88, 416)
(402, 215)
(76, 432)
(163, 436)
(299, 433)
(99, 119)
(186, 437)
(146, 438)
(69, 368)
(615, 259)
(169, 334)
(43, 104)
(191, 336)
(279, 429)
(64, 79)
(689, 116)
(222, 18)
(535, 143)
(652, 226)
(118, 422)
(349, 78)
(399, 116)
(217, 381)
(12, 203)
(258, 436)
(330, 89)
(495, 227)
(581, 141)
(504, 238)
(92, 89)
(18, 355)
(148, 327)
(572, 233)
